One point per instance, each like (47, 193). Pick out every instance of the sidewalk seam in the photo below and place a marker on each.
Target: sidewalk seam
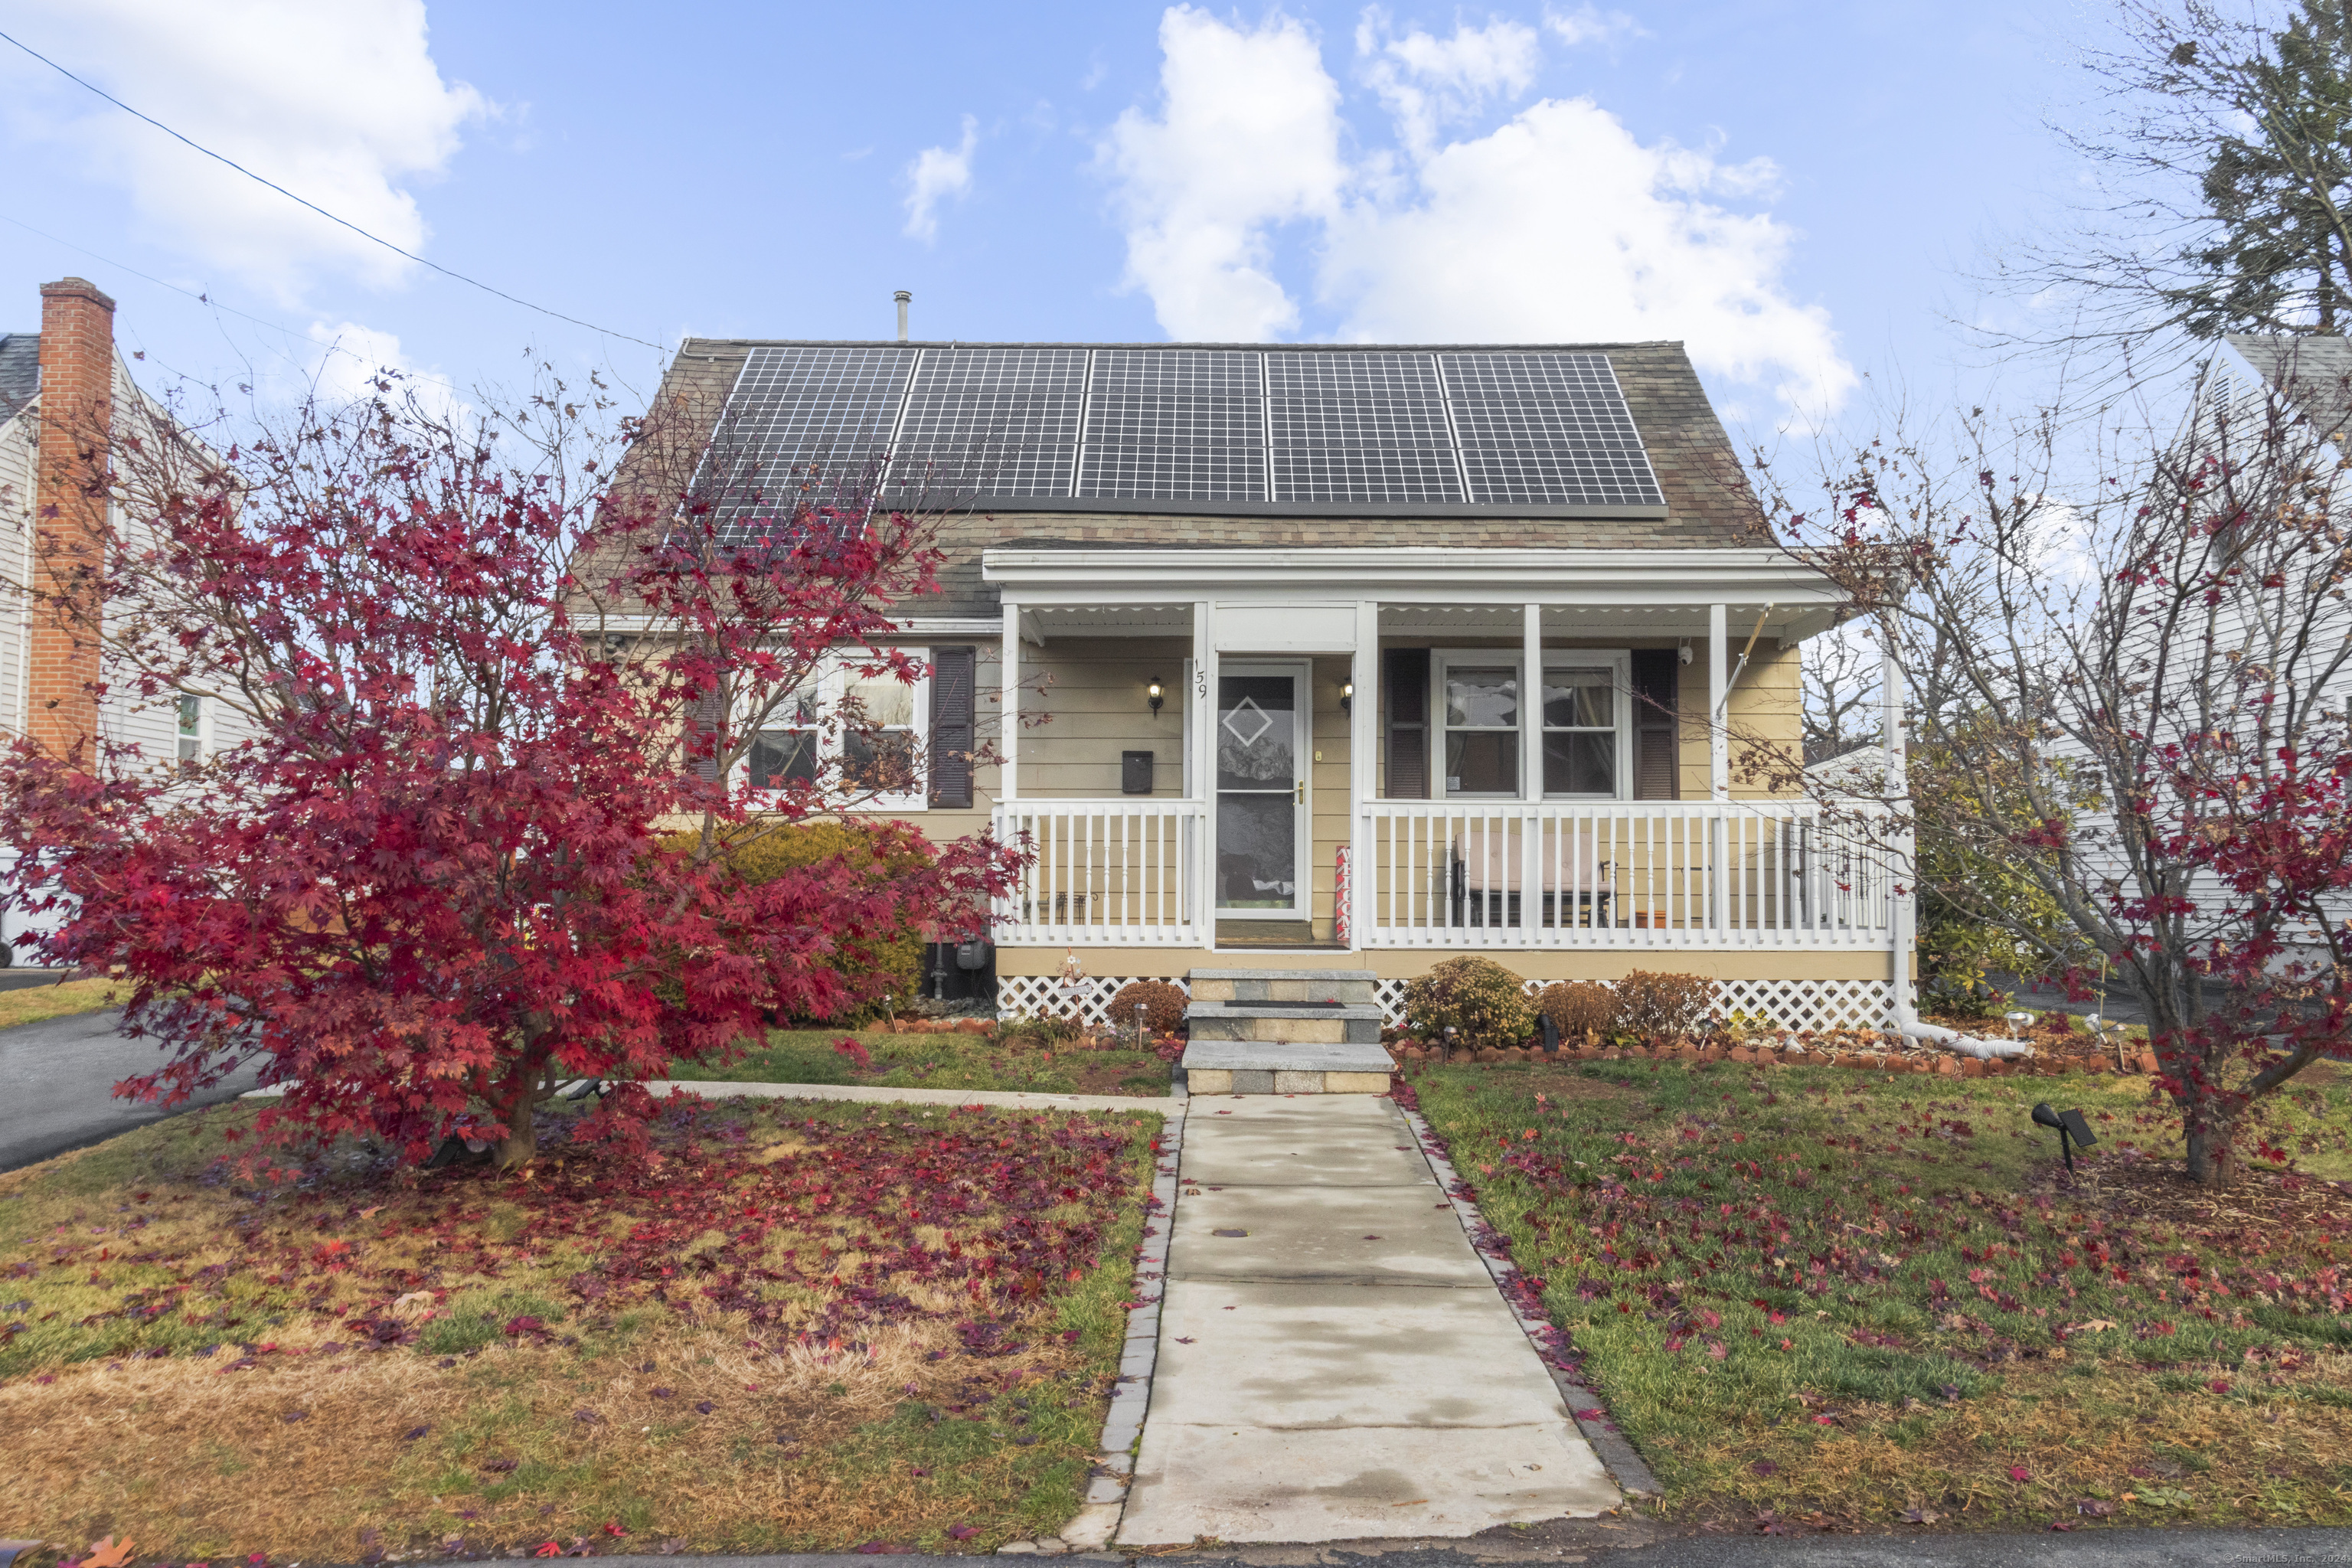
(1616, 1453)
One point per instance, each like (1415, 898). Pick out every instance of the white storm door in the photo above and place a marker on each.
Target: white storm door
(1263, 834)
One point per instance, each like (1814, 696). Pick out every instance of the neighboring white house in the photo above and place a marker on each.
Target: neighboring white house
(71, 366)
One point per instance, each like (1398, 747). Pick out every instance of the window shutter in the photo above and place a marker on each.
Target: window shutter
(1657, 772)
(952, 673)
(1404, 681)
(702, 723)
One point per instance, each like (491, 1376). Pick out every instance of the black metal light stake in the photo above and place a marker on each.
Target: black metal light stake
(2072, 1129)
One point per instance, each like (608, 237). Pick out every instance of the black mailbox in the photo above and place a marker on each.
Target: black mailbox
(1135, 773)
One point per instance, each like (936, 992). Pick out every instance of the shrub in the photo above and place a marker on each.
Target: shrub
(1484, 1002)
(887, 965)
(1579, 1007)
(1663, 1005)
(1163, 1005)
(1039, 1030)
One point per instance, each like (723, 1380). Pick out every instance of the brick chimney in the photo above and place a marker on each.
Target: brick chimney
(70, 506)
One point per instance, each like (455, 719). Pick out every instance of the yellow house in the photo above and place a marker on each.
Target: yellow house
(1347, 658)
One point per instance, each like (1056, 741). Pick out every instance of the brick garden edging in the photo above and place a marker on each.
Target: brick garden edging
(1945, 1063)
(1097, 1521)
(1625, 1466)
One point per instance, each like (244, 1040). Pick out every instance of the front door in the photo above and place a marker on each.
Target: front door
(1262, 823)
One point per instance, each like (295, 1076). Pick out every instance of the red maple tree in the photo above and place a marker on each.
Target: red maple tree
(476, 681)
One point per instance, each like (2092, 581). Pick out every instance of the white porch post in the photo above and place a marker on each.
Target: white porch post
(1902, 896)
(1531, 788)
(1203, 699)
(1007, 769)
(1363, 769)
(1718, 765)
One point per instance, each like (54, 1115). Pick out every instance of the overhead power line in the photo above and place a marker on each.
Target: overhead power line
(212, 304)
(330, 217)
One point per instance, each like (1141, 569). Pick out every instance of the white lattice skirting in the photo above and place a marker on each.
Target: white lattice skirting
(1773, 1004)
(1035, 995)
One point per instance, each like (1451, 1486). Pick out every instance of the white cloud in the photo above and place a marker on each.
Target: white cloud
(1248, 137)
(1587, 26)
(1558, 225)
(340, 103)
(1428, 82)
(935, 176)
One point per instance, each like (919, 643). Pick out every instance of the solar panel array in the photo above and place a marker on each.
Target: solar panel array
(1387, 428)
(805, 421)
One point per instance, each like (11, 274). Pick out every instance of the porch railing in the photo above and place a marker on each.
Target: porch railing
(1105, 872)
(1505, 873)
(1620, 874)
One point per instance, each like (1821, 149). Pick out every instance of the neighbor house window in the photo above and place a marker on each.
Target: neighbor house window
(865, 734)
(192, 729)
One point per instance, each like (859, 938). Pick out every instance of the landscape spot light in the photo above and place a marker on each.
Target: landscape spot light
(1157, 693)
(2072, 1129)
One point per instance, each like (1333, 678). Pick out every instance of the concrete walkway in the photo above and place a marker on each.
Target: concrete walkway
(1335, 1362)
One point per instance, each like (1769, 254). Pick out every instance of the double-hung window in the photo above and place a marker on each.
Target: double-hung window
(1583, 723)
(1585, 744)
(1479, 704)
(191, 729)
(845, 732)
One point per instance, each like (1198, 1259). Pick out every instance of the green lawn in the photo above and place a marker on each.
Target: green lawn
(1810, 1292)
(939, 1061)
(31, 1003)
(782, 1327)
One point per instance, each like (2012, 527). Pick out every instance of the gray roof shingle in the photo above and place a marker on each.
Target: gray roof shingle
(20, 371)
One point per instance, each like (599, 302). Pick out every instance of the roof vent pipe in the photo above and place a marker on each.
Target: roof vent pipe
(904, 299)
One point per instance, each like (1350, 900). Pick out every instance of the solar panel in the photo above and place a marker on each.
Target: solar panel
(989, 422)
(803, 422)
(1547, 429)
(1182, 426)
(1362, 426)
(1174, 424)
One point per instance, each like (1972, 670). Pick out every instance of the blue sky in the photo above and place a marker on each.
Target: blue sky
(1799, 191)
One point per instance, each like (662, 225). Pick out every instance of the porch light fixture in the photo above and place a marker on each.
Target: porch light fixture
(1347, 697)
(2072, 1129)
(1158, 693)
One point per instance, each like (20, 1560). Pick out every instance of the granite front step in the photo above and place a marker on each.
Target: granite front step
(1355, 986)
(1348, 1024)
(1267, 1067)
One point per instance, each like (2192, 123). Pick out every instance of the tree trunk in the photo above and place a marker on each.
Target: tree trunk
(522, 1142)
(2210, 1161)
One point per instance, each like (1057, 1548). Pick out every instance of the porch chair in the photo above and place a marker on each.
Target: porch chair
(1483, 878)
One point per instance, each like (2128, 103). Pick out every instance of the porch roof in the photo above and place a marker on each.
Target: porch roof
(1097, 592)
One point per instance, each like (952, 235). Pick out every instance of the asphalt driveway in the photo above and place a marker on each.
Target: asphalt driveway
(57, 1086)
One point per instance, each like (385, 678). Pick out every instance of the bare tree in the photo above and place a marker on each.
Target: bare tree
(1840, 674)
(2219, 147)
(2127, 655)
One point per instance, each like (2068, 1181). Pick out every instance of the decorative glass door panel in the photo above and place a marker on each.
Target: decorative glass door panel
(1261, 824)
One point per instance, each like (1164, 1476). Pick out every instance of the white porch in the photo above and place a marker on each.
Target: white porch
(1518, 867)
